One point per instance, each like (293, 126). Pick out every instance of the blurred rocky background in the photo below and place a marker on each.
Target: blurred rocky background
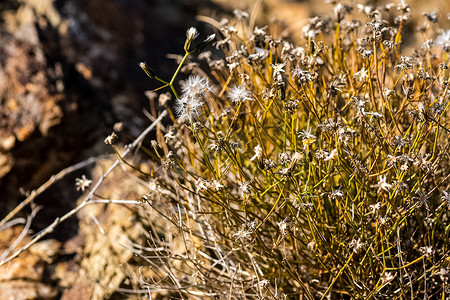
(69, 72)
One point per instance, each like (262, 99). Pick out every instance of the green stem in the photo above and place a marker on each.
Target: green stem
(179, 68)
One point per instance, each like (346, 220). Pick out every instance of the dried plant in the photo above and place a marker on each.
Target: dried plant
(306, 171)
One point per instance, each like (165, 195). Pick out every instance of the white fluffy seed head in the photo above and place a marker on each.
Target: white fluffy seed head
(239, 93)
(196, 85)
(187, 107)
(443, 40)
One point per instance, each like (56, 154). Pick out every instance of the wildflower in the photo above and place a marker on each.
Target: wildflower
(402, 6)
(388, 6)
(151, 95)
(332, 155)
(401, 186)
(350, 26)
(285, 226)
(423, 162)
(243, 236)
(232, 66)
(263, 283)
(239, 14)
(273, 43)
(338, 193)
(426, 250)
(170, 134)
(205, 43)
(258, 153)
(356, 245)
(111, 138)
(366, 53)
(286, 171)
(303, 75)
(446, 197)
(149, 71)
(82, 183)
(196, 86)
(443, 66)
(311, 245)
(334, 88)
(376, 25)
(285, 158)
(321, 154)
(382, 185)
(384, 220)
(246, 187)
(406, 62)
(229, 30)
(260, 31)
(422, 198)
(169, 161)
(443, 40)
(390, 44)
(217, 64)
(277, 70)
(404, 167)
(234, 145)
(191, 35)
(296, 157)
(439, 107)
(330, 125)
(375, 208)
(359, 105)
(268, 164)
(400, 142)
(291, 106)
(361, 74)
(432, 16)
(443, 273)
(391, 160)
(206, 55)
(367, 9)
(386, 278)
(387, 92)
(298, 52)
(301, 205)
(259, 55)
(309, 33)
(163, 98)
(202, 184)
(187, 107)
(239, 94)
(344, 134)
(427, 45)
(340, 10)
(251, 226)
(373, 115)
(153, 185)
(407, 91)
(245, 79)
(216, 147)
(306, 136)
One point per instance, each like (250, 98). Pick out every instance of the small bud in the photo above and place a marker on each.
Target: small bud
(191, 35)
(205, 43)
(150, 73)
(111, 138)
